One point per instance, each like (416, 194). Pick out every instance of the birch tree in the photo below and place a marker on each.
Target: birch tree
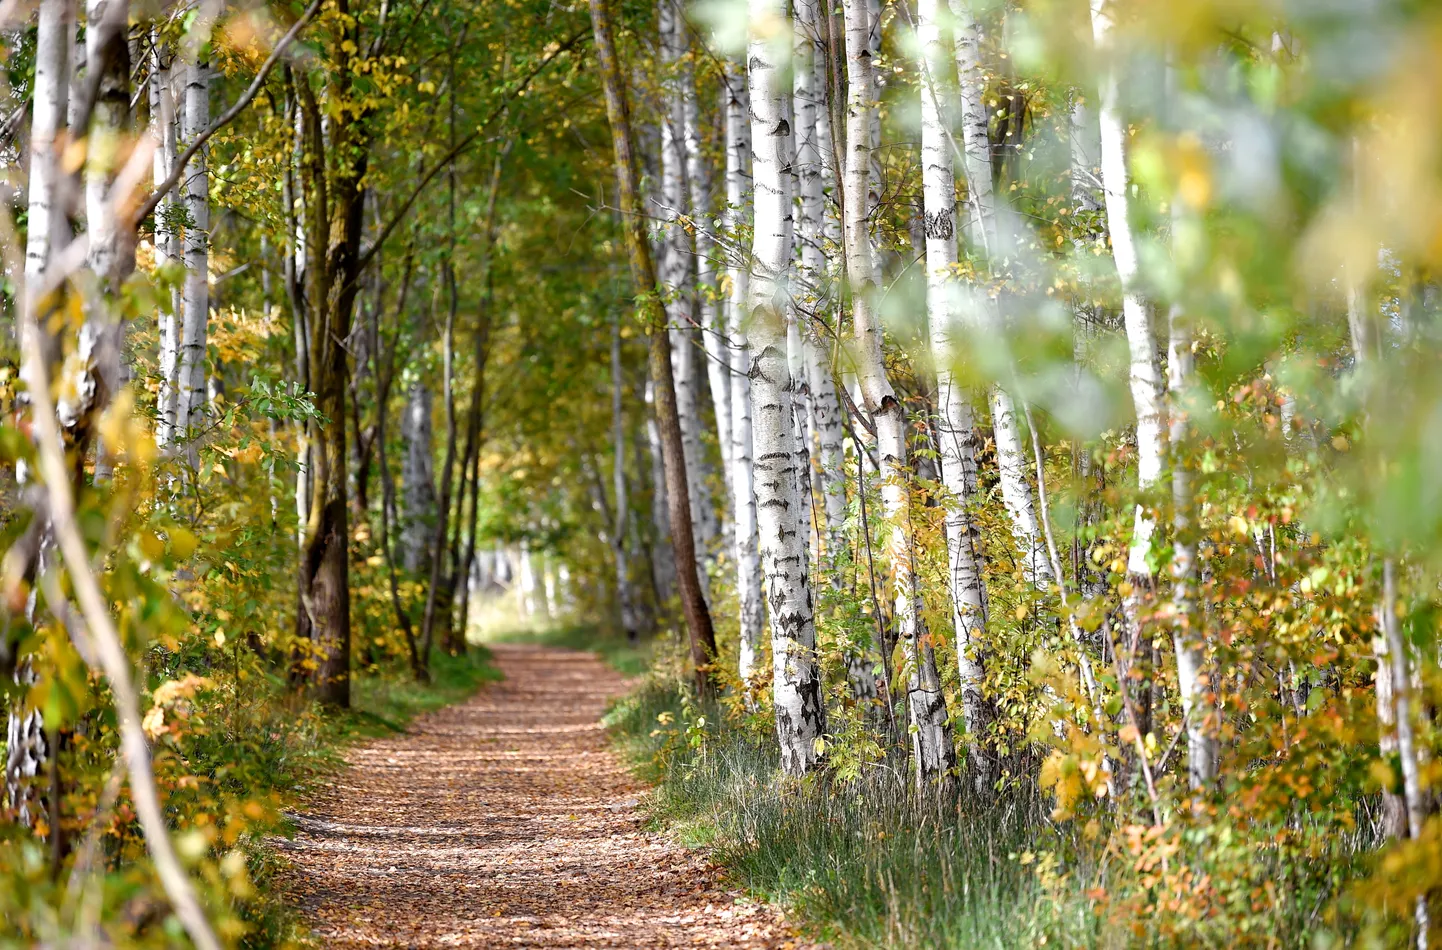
(700, 632)
(821, 252)
(984, 236)
(163, 122)
(782, 515)
(743, 483)
(418, 482)
(1144, 375)
(934, 756)
(196, 292)
(953, 427)
(621, 522)
(26, 748)
(678, 271)
(111, 255)
(710, 327)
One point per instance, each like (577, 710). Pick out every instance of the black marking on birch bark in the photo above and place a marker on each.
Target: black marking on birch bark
(756, 62)
(783, 128)
(938, 224)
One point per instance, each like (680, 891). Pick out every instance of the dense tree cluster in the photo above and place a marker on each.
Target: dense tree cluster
(1034, 399)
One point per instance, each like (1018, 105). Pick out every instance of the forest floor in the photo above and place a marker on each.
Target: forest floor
(505, 821)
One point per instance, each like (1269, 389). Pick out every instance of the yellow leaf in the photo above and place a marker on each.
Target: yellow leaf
(182, 542)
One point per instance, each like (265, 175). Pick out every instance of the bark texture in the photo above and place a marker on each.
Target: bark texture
(782, 515)
(418, 482)
(933, 755)
(743, 481)
(954, 428)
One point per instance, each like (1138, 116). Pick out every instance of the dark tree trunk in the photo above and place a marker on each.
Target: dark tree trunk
(335, 203)
(643, 272)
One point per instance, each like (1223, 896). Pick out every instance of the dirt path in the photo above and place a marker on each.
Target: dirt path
(505, 822)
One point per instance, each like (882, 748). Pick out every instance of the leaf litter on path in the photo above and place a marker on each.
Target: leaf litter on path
(505, 821)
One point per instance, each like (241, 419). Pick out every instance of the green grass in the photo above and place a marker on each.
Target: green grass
(862, 864)
(387, 703)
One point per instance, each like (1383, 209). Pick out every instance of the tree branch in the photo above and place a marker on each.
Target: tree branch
(149, 204)
(461, 147)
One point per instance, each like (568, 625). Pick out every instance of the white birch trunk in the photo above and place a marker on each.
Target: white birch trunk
(162, 131)
(112, 252)
(809, 108)
(796, 676)
(1016, 495)
(196, 191)
(548, 587)
(26, 749)
(981, 230)
(874, 169)
(678, 275)
(1186, 637)
(932, 749)
(743, 482)
(955, 431)
(710, 330)
(1144, 376)
(800, 412)
(663, 565)
(826, 410)
(529, 607)
(418, 483)
(45, 228)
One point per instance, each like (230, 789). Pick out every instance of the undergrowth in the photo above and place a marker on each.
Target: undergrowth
(863, 864)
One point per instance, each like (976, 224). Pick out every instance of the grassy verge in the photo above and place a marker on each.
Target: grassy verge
(862, 864)
(309, 747)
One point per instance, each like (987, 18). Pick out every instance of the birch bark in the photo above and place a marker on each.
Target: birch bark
(1186, 638)
(418, 483)
(932, 749)
(954, 428)
(743, 482)
(196, 192)
(663, 561)
(678, 274)
(163, 118)
(97, 372)
(621, 521)
(1144, 375)
(982, 232)
(796, 676)
(700, 631)
(709, 329)
(821, 381)
(26, 749)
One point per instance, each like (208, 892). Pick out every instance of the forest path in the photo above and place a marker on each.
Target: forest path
(504, 821)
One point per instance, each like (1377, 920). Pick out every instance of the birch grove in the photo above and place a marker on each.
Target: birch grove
(994, 444)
